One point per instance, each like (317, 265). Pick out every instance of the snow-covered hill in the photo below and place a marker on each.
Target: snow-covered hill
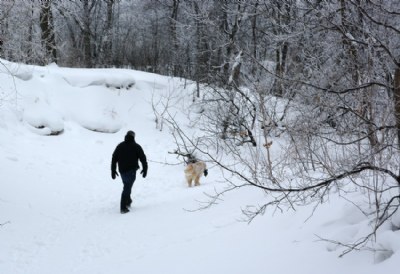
(59, 207)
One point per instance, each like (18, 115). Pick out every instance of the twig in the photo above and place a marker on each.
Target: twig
(8, 222)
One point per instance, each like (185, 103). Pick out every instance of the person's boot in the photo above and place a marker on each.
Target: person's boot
(124, 204)
(124, 210)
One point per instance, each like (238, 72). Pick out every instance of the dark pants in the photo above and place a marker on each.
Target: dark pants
(128, 178)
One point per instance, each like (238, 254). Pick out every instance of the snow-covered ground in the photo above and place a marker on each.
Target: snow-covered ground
(59, 207)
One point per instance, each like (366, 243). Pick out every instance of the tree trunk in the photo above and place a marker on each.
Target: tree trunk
(283, 16)
(254, 34)
(46, 26)
(87, 35)
(174, 18)
(232, 38)
(107, 46)
(397, 103)
(281, 56)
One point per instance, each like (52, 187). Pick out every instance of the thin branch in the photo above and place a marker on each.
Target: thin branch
(8, 222)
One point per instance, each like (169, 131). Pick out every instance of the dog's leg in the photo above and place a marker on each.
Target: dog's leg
(197, 181)
(189, 180)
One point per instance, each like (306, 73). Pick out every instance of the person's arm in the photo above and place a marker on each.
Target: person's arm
(143, 161)
(114, 161)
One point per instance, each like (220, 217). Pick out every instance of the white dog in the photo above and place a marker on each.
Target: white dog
(193, 171)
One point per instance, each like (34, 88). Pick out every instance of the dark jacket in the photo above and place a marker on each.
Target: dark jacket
(127, 154)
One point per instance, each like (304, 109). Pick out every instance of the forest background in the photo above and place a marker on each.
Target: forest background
(335, 64)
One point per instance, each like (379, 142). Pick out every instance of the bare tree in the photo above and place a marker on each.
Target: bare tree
(47, 28)
(339, 130)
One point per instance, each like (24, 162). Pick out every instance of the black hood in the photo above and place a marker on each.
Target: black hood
(130, 136)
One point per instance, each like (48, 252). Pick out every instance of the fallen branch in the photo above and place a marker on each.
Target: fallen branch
(4, 223)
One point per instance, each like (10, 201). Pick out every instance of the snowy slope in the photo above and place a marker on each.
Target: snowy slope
(59, 207)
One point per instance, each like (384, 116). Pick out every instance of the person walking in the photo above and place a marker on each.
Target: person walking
(126, 155)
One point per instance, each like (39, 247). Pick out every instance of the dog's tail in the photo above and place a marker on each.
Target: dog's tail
(205, 172)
